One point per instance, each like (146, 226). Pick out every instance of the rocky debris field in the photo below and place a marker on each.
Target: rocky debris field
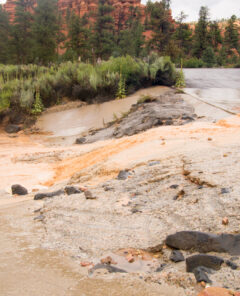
(162, 221)
(149, 112)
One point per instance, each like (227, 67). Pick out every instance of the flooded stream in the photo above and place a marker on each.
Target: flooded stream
(79, 120)
(219, 87)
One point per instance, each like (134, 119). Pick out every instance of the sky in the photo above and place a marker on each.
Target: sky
(218, 8)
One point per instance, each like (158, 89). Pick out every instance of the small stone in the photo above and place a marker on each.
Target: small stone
(123, 175)
(232, 265)
(19, 190)
(161, 267)
(80, 140)
(72, 190)
(209, 139)
(201, 275)
(88, 195)
(225, 190)
(225, 221)
(130, 258)
(177, 256)
(152, 163)
(179, 195)
(39, 218)
(108, 260)
(12, 128)
(204, 260)
(40, 196)
(174, 186)
(86, 263)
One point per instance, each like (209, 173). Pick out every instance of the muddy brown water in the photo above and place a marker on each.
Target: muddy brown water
(70, 123)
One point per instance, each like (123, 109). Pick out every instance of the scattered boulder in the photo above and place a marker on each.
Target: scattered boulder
(204, 260)
(108, 260)
(201, 275)
(39, 196)
(110, 268)
(177, 256)
(72, 190)
(12, 128)
(225, 221)
(232, 265)
(225, 190)
(205, 242)
(214, 291)
(161, 267)
(152, 163)
(88, 194)
(174, 186)
(123, 175)
(39, 218)
(80, 140)
(19, 190)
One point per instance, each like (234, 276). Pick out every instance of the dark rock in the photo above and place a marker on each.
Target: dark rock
(152, 163)
(232, 265)
(201, 275)
(39, 218)
(208, 261)
(234, 258)
(19, 189)
(110, 268)
(200, 187)
(39, 196)
(80, 140)
(12, 128)
(225, 190)
(123, 175)
(88, 195)
(72, 190)
(205, 242)
(161, 267)
(177, 256)
(174, 186)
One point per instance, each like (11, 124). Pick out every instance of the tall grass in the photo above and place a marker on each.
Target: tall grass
(22, 86)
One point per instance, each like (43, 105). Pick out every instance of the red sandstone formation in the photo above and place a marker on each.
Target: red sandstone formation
(121, 10)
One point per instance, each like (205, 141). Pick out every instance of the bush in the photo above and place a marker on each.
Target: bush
(193, 63)
(209, 57)
(31, 88)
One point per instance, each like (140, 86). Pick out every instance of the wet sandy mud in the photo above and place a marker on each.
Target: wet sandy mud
(178, 178)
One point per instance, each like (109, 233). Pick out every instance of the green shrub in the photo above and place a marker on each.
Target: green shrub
(180, 81)
(193, 63)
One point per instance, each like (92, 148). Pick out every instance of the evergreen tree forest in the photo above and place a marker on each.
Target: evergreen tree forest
(41, 35)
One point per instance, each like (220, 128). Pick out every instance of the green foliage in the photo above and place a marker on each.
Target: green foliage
(37, 106)
(193, 63)
(146, 99)
(231, 35)
(209, 57)
(18, 84)
(180, 81)
(45, 31)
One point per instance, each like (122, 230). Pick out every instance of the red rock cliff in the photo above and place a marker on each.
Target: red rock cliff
(80, 7)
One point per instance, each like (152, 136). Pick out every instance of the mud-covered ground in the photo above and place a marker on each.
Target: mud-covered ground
(181, 177)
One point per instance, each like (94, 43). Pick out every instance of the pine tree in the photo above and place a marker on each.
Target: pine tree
(231, 35)
(79, 37)
(103, 38)
(161, 26)
(201, 32)
(215, 38)
(21, 33)
(131, 39)
(45, 31)
(4, 36)
(209, 57)
(183, 35)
